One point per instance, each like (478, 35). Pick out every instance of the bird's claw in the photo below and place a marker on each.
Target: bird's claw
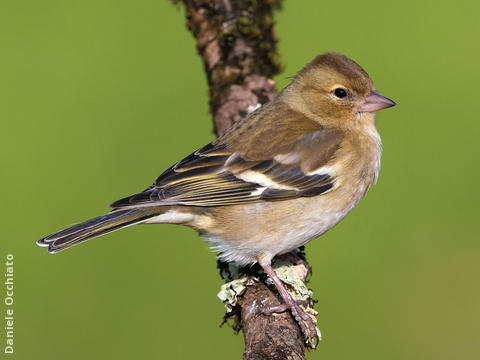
(305, 321)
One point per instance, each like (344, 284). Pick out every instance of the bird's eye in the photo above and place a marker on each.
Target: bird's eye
(340, 93)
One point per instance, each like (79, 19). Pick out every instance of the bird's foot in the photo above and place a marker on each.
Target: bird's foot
(268, 310)
(305, 321)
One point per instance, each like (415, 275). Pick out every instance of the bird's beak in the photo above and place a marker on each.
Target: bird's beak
(375, 101)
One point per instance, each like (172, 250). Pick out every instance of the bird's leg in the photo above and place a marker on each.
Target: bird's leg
(303, 319)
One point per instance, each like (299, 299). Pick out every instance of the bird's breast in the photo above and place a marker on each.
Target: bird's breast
(243, 232)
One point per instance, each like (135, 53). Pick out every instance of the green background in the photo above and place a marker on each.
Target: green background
(98, 97)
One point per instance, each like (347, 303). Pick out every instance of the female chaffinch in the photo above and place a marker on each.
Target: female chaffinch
(279, 178)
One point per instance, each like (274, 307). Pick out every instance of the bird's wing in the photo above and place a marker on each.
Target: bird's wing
(217, 175)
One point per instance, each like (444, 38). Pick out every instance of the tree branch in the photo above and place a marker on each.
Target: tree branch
(237, 44)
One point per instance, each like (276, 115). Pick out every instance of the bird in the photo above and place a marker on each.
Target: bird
(277, 179)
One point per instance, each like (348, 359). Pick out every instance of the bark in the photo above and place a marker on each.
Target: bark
(268, 337)
(237, 44)
(238, 47)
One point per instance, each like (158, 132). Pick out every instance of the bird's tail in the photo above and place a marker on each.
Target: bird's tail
(117, 219)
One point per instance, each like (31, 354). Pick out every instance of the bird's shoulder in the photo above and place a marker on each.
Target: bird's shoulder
(271, 129)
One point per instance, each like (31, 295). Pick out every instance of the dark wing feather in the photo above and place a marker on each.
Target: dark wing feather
(217, 176)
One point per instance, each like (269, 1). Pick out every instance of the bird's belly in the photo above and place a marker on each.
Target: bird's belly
(243, 233)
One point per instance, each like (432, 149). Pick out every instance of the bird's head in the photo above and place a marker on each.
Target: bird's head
(336, 89)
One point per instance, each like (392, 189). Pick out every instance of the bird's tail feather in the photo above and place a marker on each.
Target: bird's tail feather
(117, 219)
